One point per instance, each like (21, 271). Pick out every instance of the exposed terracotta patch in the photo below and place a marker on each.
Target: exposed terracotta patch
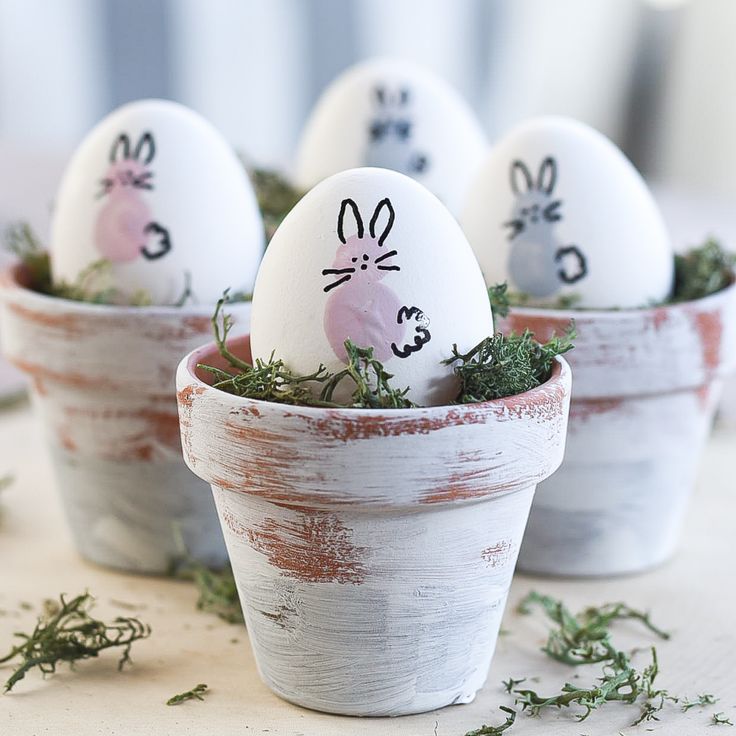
(135, 453)
(710, 332)
(499, 554)
(703, 394)
(200, 325)
(160, 426)
(225, 484)
(361, 426)
(235, 526)
(584, 409)
(313, 546)
(544, 327)
(185, 397)
(65, 439)
(660, 316)
(74, 380)
(70, 324)
(39, 386)
(458, 487)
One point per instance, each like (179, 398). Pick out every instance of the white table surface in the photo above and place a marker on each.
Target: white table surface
(692, 596)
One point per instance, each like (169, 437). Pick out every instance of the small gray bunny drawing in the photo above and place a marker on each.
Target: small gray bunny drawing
(538, 262)
(390, 134)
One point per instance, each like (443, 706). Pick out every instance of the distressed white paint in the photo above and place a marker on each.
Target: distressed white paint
(103, 387)
(646, 386)
(373, 550)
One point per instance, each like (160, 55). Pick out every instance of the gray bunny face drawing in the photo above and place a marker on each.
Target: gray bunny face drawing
(539, 263)
(391, 134)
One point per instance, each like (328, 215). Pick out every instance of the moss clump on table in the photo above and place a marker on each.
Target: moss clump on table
(67, 632)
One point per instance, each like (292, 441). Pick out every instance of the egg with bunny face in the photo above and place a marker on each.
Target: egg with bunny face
(156, 192)
(371, 256)
(556, 210)
(391, 114)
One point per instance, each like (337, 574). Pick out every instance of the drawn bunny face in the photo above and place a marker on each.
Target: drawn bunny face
(124, 228)
(538, 263)
(362, 259)
(391, 134)
(535, 207)
(360, 308)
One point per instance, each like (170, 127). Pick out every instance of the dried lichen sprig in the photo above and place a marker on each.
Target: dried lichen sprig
(702, 271)
(273, 381)
(496, 730)
(720, 719)
(196, 693)
(505, 365)
(373, 389)
(585, 638)
(66, 632)
(217, 590)
(703, 701)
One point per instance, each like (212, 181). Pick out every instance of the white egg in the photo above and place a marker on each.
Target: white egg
(157, 191)
(556, 209)
(372, 256)
(394, 115)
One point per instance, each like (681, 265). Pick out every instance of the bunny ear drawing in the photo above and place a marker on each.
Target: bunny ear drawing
(380, 94)
(383, 204)
(145, 149)
(120, 148)
(403, 96)
(521, 178)
(547, 176)
(341, 219)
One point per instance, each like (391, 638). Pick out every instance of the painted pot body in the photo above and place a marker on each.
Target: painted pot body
(373, 550)
(647, 383)
(102, 383)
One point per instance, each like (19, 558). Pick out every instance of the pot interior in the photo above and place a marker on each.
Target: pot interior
(210, 355)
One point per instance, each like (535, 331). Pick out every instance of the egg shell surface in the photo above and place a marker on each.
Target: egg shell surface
(158, 192)
(391, 114)
(557, 209)
(371, 255)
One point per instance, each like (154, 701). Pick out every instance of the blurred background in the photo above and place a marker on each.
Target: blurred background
(657, 76)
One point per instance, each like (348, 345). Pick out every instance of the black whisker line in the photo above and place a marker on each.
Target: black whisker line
(337, 283)
(385, 256)
(388, 268)
(326, 271)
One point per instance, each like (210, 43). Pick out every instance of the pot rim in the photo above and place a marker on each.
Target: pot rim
(538, 395)
(15, 279)
(633, 313)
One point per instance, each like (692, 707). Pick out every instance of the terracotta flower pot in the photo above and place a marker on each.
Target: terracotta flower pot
(373, 550)
(646, 386)
(102, 380)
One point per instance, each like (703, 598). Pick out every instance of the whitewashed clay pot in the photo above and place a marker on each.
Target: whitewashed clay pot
(373, 550)
(647, 383)
(102, 381)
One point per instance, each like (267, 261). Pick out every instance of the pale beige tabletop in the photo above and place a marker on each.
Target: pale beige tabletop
(693, 596)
